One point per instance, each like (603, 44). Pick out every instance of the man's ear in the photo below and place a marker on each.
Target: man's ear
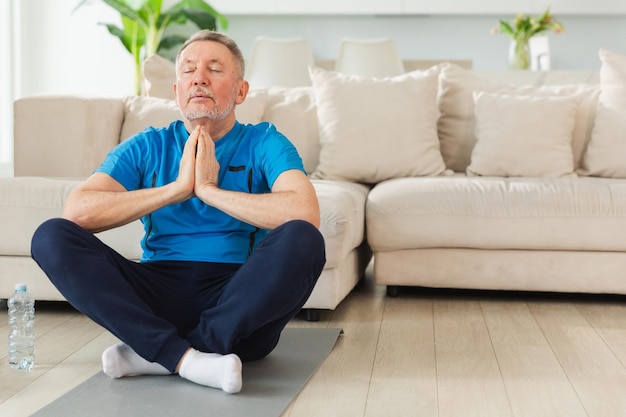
(242, 91)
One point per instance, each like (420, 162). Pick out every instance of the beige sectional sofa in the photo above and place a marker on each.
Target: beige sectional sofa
(59, 140)
(512, 180)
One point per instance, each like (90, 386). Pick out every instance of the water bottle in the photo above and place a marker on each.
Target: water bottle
(21, 333)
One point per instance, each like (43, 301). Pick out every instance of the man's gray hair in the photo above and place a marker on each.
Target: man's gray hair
(209, 35)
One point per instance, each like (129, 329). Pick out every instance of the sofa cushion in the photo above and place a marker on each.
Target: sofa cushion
(64, 136)
(606, 153)
(342, 223)
(373, 129)
(457, 122)
(523, 136)
(159, 75)
(26, 202)
(497, 213)
(294, 113)
(141, 112)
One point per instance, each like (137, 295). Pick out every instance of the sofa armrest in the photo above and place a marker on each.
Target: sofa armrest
(64, 136)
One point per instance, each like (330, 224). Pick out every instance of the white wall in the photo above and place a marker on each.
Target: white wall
(65, 53)
(398, 7)
(439, 37)
(6, 86)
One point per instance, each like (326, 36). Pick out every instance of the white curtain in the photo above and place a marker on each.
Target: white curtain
(7, 61)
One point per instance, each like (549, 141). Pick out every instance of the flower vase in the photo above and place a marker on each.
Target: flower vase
(519, 54)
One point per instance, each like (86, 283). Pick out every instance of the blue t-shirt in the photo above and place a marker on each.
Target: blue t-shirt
(251, 157)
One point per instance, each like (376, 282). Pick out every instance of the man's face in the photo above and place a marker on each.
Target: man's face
(207, 82)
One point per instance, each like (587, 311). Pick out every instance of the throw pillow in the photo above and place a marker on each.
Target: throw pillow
(523, 136)
(159, 75)
(373, 129)
(251, 110)
(606, 152)
(456, 104)
(294, 113)
(141, 112)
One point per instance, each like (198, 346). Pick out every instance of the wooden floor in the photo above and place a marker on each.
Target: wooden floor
(425, 353)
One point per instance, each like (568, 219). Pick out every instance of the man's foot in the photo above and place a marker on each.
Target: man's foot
(120, 360)
(212, 369)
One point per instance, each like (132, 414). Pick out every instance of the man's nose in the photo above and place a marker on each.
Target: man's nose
(201, 79)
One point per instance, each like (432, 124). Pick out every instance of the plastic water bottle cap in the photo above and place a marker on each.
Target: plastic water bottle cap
(20, 287)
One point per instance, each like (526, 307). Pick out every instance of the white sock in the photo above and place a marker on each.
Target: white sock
(213, 370)
(120, 360)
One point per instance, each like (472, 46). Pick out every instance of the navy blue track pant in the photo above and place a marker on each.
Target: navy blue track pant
(160, 309)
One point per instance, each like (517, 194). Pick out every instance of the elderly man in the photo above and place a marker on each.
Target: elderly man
(231, 250)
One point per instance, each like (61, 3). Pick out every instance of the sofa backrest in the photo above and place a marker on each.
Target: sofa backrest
(457, 112)
(141, 112)
(539, 78)
(69, 136)
(292, 110)
(64, 136)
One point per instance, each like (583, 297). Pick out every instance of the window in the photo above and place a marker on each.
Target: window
(6, 85)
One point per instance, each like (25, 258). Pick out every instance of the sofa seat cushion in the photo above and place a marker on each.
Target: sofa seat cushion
(497, 213)
(342, 206)
(26, 202)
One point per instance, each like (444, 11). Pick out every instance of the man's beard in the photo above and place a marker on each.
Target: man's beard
(206, 111)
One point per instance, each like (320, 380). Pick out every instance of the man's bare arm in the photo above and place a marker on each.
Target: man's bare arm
(292, 198)
(102, 203)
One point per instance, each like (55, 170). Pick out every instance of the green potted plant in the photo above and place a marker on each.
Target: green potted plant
(144, 23)
(521, 29)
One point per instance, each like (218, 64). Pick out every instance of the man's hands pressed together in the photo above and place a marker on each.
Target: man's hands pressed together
(198, 166)
(207, 167)
(292, 196)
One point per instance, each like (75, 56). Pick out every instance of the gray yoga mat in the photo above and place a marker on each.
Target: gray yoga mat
(269, 385)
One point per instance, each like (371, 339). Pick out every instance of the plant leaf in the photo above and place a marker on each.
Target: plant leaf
(205, 7)
(174, 17)
(171, 41)
(505, 27)
(124, 9)
(135, 34)
(154, 6)
(201, 19)
(119, 33)
(134, 4)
